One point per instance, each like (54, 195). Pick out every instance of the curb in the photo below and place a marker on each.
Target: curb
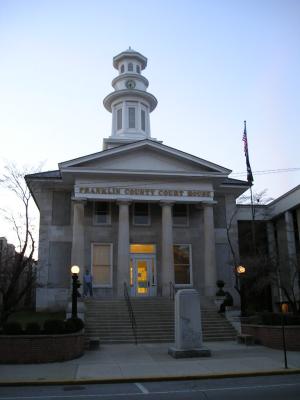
(151, 378)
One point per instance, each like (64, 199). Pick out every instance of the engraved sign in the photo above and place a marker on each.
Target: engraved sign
(138, 192)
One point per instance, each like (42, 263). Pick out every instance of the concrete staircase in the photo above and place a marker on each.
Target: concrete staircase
(108, 319)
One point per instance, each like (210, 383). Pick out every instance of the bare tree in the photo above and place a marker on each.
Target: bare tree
(16, 267)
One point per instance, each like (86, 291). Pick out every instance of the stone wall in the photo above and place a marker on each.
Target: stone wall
(27, 349)
(271, 336)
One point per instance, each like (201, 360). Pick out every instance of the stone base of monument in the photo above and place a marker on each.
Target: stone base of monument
(188, 326)
(176, 353)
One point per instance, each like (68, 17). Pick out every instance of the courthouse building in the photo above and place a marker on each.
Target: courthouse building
(138, 211)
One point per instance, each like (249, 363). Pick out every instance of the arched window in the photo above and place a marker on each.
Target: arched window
(122, 68)
(138, 69)
(130, 67)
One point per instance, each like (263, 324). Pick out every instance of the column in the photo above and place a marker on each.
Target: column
(210, 273)
(167, 258)
(77, 256)
(123, 247)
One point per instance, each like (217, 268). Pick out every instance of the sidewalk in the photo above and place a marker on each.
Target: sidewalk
(127, 362)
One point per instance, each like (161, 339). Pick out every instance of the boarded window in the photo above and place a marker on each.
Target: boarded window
(59, 264)
(61, 208)
(182, 267)
(102, 264)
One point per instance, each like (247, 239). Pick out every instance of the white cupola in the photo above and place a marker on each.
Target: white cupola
(130, 103)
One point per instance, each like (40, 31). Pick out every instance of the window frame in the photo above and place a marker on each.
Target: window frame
(187, 216)
(111, 263)
(184, 285)
(132, 107)
(109, 213)
(133, 214)
(130, 67)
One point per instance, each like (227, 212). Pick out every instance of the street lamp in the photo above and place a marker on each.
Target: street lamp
(75, 285)
(240, 270)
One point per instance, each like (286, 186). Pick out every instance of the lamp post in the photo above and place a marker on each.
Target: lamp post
(240, 270)
(284, 309)
(75, 285)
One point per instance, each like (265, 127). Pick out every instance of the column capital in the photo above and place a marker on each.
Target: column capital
(166, 203)
(203, 205)
(124, 202)
(79, 201)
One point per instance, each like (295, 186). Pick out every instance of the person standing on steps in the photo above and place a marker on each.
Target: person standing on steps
(87, 283)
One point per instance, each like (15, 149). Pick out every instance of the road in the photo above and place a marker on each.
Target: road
(258, 388)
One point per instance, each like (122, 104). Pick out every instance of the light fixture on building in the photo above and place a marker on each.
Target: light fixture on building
(75, 285)
(240, 269)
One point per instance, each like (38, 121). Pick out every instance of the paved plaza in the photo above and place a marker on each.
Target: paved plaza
(122, 362)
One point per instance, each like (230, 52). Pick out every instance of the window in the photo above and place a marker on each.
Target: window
(131, 117)
(102, 264)
(182, 264)
(130, 67)
(102, 213)
(138, 69)
(180, 214)
(143, 120)
(122, 68)
(119, 119)
(141, 215)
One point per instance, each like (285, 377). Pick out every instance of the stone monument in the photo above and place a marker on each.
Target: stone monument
(188, 327)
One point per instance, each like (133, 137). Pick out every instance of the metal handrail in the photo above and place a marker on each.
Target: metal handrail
(130, 312)
(172, 290)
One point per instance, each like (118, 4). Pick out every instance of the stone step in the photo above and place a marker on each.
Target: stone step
(109, 320)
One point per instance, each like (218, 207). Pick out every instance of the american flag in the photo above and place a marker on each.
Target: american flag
(245, 140)
(249, 172)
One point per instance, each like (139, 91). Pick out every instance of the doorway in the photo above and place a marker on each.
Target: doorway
(142, 271)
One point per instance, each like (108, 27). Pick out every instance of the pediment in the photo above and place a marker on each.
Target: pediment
(144, 157)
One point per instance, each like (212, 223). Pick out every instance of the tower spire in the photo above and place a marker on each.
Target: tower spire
(129, 103)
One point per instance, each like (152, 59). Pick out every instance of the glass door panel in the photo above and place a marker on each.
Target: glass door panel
(142, 277)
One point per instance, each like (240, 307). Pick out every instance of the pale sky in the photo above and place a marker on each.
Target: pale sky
(211, 64)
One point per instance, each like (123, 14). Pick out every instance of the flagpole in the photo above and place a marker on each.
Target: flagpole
(253, 222)
(250, 182)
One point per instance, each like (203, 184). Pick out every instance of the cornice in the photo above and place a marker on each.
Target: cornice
(134, 93)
